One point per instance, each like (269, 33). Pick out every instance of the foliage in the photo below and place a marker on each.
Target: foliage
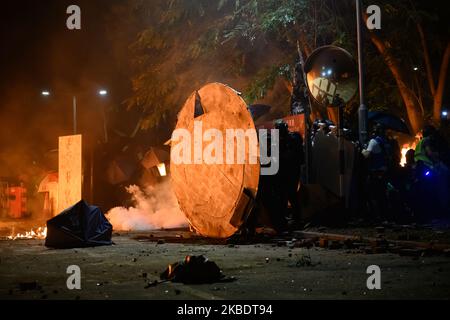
(249, 44)
(246, 43)
(264, 81)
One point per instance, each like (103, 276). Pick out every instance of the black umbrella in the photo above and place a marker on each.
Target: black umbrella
(389, 121)
(79, 226)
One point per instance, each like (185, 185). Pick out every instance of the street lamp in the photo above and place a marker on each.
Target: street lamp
(46, 93)
(101, 92)
(162, 169)
(104, 93)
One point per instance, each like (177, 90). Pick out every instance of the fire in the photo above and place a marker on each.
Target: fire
(39, 233)
(407, 146)
(405, 149)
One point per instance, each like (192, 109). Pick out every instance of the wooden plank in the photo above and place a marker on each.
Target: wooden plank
(70, 169)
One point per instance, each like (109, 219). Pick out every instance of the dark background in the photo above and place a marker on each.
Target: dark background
(38, 52)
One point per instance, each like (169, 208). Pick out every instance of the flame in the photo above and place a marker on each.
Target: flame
(405, 149)
(39, 233)
(407, 146)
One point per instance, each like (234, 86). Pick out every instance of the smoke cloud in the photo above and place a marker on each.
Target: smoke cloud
(155, 207)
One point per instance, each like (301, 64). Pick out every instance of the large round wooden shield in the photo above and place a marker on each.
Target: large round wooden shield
(215, 197)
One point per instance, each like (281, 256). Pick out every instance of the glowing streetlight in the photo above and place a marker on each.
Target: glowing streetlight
(101, 92)
(162, 169)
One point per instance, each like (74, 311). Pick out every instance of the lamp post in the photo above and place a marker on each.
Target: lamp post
(102, 93)
(74, 107)
(362, 112)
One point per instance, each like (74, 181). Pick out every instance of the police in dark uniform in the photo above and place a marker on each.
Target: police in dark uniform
(281, 189)
(377, 180)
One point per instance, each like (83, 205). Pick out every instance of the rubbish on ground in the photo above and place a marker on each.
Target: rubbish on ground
(27, 286)
(194, 270)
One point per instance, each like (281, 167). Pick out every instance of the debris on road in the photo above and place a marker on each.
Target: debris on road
(304, 260)
(28, 286)
(194, 270)
(152, 284)
(371, 245)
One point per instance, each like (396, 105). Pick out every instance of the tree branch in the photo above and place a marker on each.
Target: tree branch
(437, 106)
(426, 56)
(410, 101)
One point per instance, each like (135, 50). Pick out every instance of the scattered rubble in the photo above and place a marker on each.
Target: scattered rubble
(368, 245)
(28, 286)
(152, 284)
(194, 270)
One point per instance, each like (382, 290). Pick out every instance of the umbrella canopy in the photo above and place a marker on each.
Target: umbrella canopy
(79, 226)
(389, 121)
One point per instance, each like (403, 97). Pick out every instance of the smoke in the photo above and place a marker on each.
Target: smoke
(155, 207)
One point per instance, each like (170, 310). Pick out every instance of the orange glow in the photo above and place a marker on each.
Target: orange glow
(162, 169)
(39, 233)
(406, 147)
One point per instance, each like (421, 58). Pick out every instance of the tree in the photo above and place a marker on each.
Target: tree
(405, 20)
(248, 44)
(251, 45)
(437, 91)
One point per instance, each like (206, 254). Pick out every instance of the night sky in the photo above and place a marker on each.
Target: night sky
(39, 50)
(38, 53)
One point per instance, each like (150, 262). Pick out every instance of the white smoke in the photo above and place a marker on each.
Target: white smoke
(155, 207)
